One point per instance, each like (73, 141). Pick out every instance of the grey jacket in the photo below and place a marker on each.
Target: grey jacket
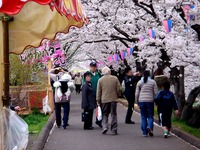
(145, 92)
(88, 97)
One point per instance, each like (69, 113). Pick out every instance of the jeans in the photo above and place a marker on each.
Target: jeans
(66, 110)
(108, 108)
(129, 113)
(147, 113)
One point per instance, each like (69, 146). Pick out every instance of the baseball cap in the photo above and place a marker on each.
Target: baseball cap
(93, 64)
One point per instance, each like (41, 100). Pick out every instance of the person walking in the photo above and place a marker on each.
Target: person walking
(62, 96)
(78, 82)
(146, 90)
(108, 90)
(130, 82)
(88, 101)
(160, 79)
(166, 102)
(95, 76)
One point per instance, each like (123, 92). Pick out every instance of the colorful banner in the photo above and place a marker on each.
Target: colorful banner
(100, 64)
(130, 51)
(167, 25)
(122, 55)
(152, 33)
(142, 39)
(125, 54)
(43, 55)
(110, 58)
(12, 7)
(34, 23)
(70, 8)
(116, 57)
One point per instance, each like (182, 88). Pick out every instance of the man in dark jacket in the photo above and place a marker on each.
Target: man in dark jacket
(130, 82)
(88, 101)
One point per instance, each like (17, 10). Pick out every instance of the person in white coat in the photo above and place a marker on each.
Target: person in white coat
(62, 96)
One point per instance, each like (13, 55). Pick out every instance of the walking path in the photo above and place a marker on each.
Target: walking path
(129, 138)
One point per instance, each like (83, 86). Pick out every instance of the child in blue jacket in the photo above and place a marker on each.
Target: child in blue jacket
(166, 101)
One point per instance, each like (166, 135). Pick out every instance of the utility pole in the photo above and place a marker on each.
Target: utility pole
(6, 97)
(5, 23)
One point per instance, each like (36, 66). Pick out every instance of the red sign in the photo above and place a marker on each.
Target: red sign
(11, 8)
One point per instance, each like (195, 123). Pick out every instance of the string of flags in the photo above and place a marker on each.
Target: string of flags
(167, 24)
(122, 55)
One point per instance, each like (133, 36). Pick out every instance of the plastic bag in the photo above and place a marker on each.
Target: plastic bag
(14, 131)
(99, 113)
(46, 108)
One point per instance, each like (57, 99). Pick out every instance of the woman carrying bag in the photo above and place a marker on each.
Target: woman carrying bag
(88, 102)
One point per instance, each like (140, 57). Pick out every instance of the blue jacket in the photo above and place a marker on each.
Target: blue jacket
(130, 86)
(88, 97)
(166, 101)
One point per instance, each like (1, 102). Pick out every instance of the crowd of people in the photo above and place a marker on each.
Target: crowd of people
(101, 89)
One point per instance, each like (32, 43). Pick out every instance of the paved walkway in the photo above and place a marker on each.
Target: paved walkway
(129, 138)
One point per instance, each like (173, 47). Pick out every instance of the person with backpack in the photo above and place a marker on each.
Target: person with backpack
(146, 90)
(62, 96)
(166, 101)
(88, 101)
(130, 82)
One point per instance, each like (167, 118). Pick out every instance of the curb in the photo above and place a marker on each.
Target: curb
(194, 141)
(44, 134)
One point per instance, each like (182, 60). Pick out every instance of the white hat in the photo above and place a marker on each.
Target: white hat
(65, 77)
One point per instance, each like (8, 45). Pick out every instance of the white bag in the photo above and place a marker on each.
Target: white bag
(46, 108)
(99, 113)
(15, 131)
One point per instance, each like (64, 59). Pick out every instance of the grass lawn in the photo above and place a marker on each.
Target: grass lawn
(183, 126)
(35, 121)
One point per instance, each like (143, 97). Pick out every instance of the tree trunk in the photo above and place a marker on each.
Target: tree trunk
(181, 94)
(188, 110)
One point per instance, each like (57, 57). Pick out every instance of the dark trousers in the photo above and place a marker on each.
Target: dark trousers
(147, 113)
(89, 118)
(108, 108)
(130, 109)
(66, 110)
(166, 119)
(78, 88)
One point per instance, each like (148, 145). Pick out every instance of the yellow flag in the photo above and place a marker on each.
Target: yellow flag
(34, 23)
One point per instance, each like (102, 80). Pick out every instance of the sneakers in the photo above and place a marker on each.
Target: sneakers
(166, 133)
(150, 132)
(105, 131)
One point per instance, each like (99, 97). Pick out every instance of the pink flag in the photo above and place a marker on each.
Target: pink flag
(142, 39)
(109, 58)
(116, 57)
(167, 25)
(152, 33)
(122, 55)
